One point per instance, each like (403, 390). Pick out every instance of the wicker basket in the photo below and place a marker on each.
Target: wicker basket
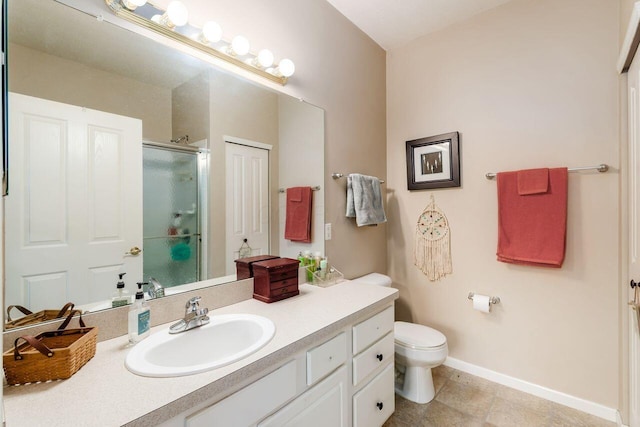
(31, 318)
(50, 355)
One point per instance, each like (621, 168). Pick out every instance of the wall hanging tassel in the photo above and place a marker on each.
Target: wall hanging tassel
(432, 252)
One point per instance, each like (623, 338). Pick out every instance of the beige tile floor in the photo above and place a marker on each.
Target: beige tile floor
(463, 400)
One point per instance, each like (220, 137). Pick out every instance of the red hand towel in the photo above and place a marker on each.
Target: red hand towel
(297, 227)
(532, 227)
(533, 181)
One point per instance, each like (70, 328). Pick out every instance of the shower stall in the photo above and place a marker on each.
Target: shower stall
(174, 213)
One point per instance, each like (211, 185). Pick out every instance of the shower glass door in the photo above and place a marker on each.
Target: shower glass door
(171, 234)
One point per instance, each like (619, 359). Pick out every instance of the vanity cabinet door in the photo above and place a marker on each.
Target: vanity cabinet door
(249, 405)
(321, 406)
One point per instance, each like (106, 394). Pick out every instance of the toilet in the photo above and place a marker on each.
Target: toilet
(418, 348)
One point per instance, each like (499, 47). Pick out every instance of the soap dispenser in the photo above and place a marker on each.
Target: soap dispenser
(121, 296)
(139, 317)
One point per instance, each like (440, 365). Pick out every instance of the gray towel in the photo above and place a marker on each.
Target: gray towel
(364, 200)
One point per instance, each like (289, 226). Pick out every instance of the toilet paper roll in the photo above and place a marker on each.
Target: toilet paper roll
(481, 303)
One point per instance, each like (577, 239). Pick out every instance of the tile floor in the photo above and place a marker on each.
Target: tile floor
(463, 400)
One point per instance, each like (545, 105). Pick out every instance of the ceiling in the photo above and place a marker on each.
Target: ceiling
(393, 24)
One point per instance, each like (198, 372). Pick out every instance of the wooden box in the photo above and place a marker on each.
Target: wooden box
(275, 279)
(244, 269)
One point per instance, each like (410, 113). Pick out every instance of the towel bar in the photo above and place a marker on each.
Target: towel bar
(284, 190)
(340, 175)
(600, 168)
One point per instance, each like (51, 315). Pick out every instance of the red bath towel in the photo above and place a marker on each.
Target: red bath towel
(297, 227)
(532, 217)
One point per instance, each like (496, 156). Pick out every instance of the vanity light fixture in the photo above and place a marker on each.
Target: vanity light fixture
(176, 15)
(211, 33)
(173, 23)
(285, 68)
(239, 47)
(264, 59)
(133, 4)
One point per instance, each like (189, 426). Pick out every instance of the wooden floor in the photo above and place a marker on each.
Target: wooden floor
(465, 400)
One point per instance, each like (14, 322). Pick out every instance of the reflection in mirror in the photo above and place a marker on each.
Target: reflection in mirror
(118, 142)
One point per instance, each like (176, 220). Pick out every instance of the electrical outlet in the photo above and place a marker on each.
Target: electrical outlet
(327, 231)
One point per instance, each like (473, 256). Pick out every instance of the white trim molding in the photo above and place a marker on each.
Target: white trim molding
(601, 411)
(247, 142)
(631, 40)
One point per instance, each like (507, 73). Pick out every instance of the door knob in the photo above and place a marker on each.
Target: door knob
(633, 284)
(134, 251)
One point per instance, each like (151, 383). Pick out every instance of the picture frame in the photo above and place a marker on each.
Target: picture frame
(434, 162)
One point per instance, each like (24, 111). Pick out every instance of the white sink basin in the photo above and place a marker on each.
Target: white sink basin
(226, 339)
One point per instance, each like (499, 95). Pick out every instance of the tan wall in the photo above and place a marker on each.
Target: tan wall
(242, 110)
(190, 109)
(529, 84)
(341, 70)
(45, 76)
(301, 132)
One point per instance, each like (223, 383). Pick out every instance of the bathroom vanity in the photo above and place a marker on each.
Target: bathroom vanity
(329, 363)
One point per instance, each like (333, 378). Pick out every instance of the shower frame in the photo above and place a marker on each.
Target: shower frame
(203, 169)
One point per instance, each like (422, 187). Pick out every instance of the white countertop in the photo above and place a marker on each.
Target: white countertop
(105, 393)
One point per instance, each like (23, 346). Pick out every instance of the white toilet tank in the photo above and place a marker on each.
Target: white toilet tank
(374, 279)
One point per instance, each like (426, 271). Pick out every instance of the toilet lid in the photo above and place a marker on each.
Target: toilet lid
(417, 336)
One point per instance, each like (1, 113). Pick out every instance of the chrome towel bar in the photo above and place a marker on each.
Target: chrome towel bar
(600, 168)
(341, 175)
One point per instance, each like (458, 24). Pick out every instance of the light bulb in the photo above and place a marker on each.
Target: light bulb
(211, 32)
(264, 58)
(240, 46)
(286, 67)
(176, 15)
(157, 19)
(133, 4)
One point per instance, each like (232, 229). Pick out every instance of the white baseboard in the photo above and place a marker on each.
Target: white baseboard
(583, 405)
(619, 420)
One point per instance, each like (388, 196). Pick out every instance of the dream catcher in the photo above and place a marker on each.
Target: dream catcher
(432, 253)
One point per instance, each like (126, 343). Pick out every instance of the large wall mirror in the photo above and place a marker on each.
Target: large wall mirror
(129, 156)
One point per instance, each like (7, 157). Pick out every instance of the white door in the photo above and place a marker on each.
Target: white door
(75, 203)
(634, 238)
(247, 199)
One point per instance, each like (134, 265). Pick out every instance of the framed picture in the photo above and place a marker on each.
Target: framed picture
(433, 162)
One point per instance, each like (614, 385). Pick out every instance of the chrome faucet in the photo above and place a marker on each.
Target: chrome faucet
(154, 289)
(194, 317)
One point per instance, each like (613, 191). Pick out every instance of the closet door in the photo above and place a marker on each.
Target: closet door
(76, 208)
(247, 202)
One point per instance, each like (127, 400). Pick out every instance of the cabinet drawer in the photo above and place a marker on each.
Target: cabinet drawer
(372, 329)
(263, 397)
(286, 274)
(326, 357)
(375, 402)
(291, 282)
(379, 354)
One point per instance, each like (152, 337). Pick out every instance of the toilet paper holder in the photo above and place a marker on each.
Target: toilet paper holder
(492, 300)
